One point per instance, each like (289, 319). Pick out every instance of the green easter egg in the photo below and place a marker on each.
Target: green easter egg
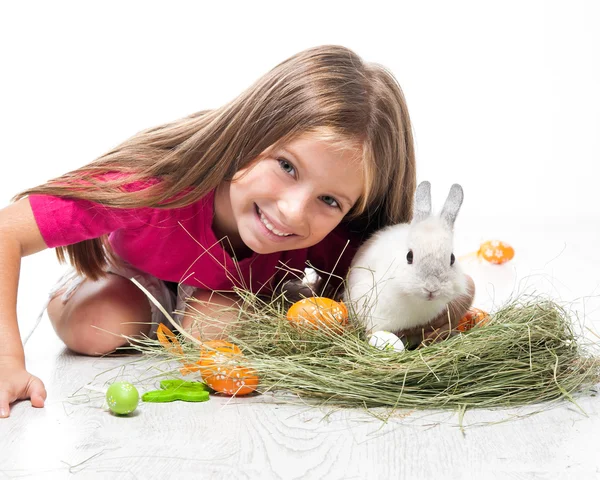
(122, 398)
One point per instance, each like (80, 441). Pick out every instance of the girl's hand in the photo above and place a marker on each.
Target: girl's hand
(444, 325)
(16, 383)
(210, 314)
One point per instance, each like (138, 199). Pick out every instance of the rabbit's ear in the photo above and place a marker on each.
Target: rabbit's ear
(422, 202)
(452, 205)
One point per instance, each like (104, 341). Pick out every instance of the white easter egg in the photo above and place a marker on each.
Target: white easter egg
(386, 341)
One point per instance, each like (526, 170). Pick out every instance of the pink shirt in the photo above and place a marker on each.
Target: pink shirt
(179, 245)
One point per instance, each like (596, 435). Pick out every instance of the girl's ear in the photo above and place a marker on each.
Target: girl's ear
(422, 202)
(452, 205)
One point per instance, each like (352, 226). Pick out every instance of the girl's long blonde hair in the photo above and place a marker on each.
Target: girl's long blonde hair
(327, 88)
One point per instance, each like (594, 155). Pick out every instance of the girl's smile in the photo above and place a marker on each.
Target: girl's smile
(289, 199)
(271, 226)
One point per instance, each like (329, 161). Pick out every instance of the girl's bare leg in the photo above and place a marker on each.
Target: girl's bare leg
(98, 312)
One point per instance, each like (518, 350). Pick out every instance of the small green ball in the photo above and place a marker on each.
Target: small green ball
(122, 398)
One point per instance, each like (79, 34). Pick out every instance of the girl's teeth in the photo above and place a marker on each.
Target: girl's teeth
(271, 228)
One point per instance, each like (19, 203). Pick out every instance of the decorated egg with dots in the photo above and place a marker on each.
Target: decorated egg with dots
(122, 398)
(221, 347)
(220, 368)
(474, 316)
(495, 251)
(315, 312)
(234, 381)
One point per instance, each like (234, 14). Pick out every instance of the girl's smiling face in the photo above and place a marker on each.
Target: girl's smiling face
(289, 199)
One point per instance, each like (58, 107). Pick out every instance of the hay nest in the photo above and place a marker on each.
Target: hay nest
(527, 353)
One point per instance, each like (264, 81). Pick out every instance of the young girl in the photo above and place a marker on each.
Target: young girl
(316, 153)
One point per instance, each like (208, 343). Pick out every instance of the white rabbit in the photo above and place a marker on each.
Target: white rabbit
(405, 275)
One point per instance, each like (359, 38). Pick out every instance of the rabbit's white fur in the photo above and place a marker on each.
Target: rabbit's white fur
(391, 294)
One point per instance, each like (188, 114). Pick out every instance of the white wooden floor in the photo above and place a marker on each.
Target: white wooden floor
(74, 436)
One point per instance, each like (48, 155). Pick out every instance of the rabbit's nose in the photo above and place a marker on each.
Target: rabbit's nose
(431, 293)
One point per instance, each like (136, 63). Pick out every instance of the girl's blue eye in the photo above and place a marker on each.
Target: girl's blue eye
(332, 202)
(286, 166)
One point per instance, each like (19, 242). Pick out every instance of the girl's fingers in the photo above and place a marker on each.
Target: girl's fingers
(37, 400)
(34, 390)
(37, 393)
(4, 405)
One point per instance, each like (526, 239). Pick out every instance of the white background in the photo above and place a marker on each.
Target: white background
(504, 97)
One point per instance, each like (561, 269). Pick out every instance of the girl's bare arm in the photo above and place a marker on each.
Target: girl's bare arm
(19, 236)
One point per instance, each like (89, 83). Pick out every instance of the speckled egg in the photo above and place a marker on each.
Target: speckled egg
(122, 398)
(316, 312)
(495, 251)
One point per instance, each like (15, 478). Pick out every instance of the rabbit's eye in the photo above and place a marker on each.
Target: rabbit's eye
(452, 259)
(409, 257)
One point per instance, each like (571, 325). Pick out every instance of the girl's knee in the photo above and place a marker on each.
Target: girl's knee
(98, 316)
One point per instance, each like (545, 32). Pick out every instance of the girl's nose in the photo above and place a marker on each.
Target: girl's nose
(294, 207)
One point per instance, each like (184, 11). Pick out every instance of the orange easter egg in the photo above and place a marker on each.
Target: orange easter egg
(495, 251)
(220, 369)
(234, 381)
(317, 312)
(210, 348)
(474, 316)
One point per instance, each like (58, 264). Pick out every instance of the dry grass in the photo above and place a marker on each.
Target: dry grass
(528, 353)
